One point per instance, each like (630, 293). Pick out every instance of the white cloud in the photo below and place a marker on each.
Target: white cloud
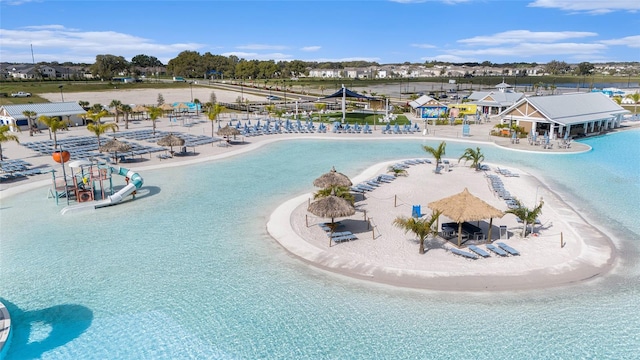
(630, 41)
(311, 48)
(261, 47)
(528, 50)
(589, 6)
(258, 56)
(423, 46)
(519, 36)
(57, 43)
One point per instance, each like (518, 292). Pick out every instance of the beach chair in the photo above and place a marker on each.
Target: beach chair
(508, 249)
(478, 251)
(468, 255)
(497, 250)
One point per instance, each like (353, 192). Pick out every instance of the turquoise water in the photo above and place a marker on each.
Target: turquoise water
(188, 271)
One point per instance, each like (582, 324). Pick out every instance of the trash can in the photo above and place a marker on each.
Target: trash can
(504, 234)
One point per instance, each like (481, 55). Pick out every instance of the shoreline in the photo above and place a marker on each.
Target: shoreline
(590, 257)
(395, 276)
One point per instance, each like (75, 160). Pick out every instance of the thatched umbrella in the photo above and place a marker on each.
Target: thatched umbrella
(115, 146)
(332, 207)
(228, 131)
(139, 108)
(171, 141)
(166, 107)
(181, 107)
(332, 178)
(466, 207)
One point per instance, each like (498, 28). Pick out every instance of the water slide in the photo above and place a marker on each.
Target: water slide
(135, 182)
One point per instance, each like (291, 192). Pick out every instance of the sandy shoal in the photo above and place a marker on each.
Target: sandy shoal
(385, 254)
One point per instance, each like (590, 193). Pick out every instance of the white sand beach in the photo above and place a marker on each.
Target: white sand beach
(385, 253)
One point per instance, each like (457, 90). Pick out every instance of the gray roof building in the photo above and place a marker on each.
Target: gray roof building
(12, 114)
(582, 113)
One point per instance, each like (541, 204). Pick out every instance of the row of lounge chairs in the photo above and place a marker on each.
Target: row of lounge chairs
(499, 190)
(337, 236)
(476, 252)
(506, 172)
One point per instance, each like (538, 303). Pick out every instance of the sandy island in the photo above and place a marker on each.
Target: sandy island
(384, 253)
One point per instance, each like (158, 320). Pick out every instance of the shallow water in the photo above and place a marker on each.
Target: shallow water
(187, 270)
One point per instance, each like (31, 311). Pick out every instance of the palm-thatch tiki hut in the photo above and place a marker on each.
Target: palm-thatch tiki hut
(331, 207)
(115, 146)
(332, 179)
(466, 207)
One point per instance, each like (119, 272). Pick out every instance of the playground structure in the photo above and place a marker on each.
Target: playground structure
(90, 184)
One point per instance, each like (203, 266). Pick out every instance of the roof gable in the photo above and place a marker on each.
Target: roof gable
(566, 109)
(47, 109)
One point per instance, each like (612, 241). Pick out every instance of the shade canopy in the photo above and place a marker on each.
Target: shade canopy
(140, 108)
(171, 140)
(181, 106)
(115, 145)
(344, 92)
(228, 131)
(79, 163)
(166, 107)
(465, 207)
(332, 178)
(331, 207)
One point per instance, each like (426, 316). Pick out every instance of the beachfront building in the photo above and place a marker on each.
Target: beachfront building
(426, 107)
(571, 115)
(494, 102)
(12, 115)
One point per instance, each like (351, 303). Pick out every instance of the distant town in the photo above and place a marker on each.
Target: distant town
(192, 65)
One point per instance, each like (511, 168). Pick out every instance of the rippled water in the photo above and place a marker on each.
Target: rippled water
(188, 271)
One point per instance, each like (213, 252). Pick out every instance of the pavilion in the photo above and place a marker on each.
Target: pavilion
(571, 115)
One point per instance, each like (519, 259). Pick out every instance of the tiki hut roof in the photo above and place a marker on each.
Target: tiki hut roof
(115, 145)
(465, 207)
(228, 131)
(171, 140)
(331, 207)
(332, 178)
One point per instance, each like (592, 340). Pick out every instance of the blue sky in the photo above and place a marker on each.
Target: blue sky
(385, 31)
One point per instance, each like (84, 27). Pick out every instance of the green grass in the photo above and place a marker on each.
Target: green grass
(41, 87)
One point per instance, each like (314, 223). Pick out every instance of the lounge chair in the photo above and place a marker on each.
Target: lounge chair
(497, 250)
(508, 249)
(478, 251)
(468, 255)
(344, 238)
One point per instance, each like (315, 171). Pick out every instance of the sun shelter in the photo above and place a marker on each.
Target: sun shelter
(466, 207)
(332, 178)
(344, 93)
(331, 207)
(115, 146)
(171, 141)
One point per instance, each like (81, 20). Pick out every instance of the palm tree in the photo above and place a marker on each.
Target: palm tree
(528, 216)
(475, 156)
(397, 171)
(422, 228)
(54, 123)
(339, 191)
(126, 110)
(83, 104)
(319, 107)
(99, 128)
(213, 113)
(437, 153)
(197, 102)
(4, 137)
(636, 99)
(31, 115)
(154, 113)
(116, 105)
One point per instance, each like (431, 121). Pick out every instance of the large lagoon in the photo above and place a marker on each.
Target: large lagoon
(188, 270)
